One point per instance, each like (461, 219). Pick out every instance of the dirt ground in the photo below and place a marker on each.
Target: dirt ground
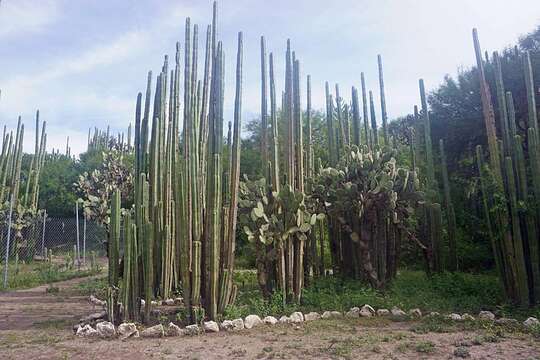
(37, 325)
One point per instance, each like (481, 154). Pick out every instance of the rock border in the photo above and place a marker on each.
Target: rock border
(105, 329)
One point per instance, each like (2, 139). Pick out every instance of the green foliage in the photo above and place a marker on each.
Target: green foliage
(446, 292)
(96, 286)
(97, 187)
(425, 347)
(271, 218)
(35, 274)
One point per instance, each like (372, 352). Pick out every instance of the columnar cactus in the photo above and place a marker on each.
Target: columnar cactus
(182, 229)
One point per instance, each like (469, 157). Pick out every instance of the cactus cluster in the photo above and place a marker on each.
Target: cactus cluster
(510, 184)
(19, 191)
(181, 230)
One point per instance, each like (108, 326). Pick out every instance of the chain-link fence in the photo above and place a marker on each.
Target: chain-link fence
(45, 237)
(59, 235)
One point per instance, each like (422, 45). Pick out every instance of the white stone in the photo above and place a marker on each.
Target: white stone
(227, 325)
(531, 321)
(297, 317)
(415, 313)
(174, 330)
(127, 330)
(168, 302)
(284, 319)
(252, 321)
(367, 311)
(331, 314)
(94, 300)
(398, 312)
(154, 303)
(353, 312)
(383, 312)
(486, 315)
(192, 330)
(434, 313)
(455, 317)
(86, 331)
(467, 317)
(238, 324)
(270, 320)
(312, 316)
(179, 301)
(210, 326)
(153, 331)
(143, 303)
(368, 308)
(105, 329)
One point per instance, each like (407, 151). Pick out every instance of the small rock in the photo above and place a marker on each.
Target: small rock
(506, 321)
(94, 300)
(416, 313)
(353, 312)
(434, 313)
(397, 312)
(153, 331)
(367, 311)
(93, 317)
(238, 324)
(192, 330)
(486, 315)
(105, 329)
(227, 325)
(154, 303)
(331, 314)
(86, 331)
(143, 303)
(251, 321)
(467, 317)
(174, 330)
(312, 316)
(179, 301)
(455, 317)
(462, 352)
(531, 321)
(383, 312)
(296, 317)
(270, 320)
(127, 330)
(168, 302)
(285, 319)
(210, 326)
(368, 308)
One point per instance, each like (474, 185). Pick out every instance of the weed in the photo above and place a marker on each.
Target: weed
(425, 347)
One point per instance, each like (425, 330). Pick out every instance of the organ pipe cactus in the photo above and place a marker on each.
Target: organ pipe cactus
(183, 225)
(511, 204)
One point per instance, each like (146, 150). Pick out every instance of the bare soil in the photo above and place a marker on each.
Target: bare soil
(37, 325)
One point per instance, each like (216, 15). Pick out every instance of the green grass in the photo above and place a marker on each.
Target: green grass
(95, 286)
(445, 293)
(28, 275)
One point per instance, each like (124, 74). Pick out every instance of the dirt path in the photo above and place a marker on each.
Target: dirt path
(22, 309)
(36, 325)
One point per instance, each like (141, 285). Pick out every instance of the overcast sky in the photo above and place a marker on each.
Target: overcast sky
(82, 62)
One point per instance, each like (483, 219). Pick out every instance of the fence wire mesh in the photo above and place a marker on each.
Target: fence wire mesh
(48, 236)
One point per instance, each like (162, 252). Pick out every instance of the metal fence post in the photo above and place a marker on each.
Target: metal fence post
(84, 238)
(77, 226)
(43, 235)
(6, 264)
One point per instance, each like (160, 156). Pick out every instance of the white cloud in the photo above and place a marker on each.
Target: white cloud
(21, 16)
